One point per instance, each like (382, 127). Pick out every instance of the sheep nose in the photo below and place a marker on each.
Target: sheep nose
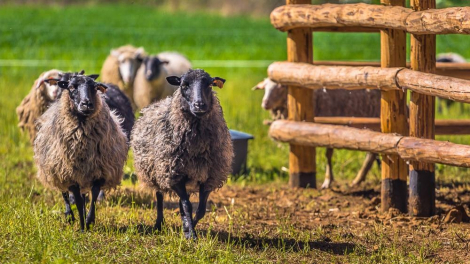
(199, 105)
(86, 104)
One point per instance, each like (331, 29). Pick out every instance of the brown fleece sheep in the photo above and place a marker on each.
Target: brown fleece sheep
(80, 145)
(36, 102)
(183, 142)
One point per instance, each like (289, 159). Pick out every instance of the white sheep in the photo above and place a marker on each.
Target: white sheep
(360, 103)
(120, 68)
(150, 83)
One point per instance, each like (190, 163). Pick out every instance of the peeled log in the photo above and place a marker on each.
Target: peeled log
(408, 148)
(456, 70)
(319, 135)
(454, 20)
(443, 127)
(344, 77)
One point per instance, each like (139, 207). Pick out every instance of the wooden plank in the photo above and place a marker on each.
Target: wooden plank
(408, 148)
(422, 111)
(345, 77)
(441, 21)
(300, 104)
(393, 115)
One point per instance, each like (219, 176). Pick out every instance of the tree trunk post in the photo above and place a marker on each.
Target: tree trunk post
(393, 118)
(300, 103)
(422, 175)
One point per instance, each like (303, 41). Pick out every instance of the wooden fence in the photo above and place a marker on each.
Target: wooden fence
(406, 141)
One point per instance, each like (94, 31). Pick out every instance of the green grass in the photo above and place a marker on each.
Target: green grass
(80, 37)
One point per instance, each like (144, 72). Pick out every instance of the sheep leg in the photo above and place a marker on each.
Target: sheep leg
(159, 222)
(201, 208)
(329, 169)
(95, 191)
(101, 196)
(368, 162)
(184, 220)
(185, 208)
(80, 205)
(68, 211)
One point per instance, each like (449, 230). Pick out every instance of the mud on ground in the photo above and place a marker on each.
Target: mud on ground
(340, 222)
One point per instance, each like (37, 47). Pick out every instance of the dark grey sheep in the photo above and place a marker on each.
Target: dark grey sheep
(182, 144)
(79, 144)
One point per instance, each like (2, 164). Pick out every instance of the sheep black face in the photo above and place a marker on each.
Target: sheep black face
(82, 92)
(196, 90)
(153, 67)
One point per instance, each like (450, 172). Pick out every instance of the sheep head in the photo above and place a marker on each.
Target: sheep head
(196, 90)
(82, 91)
(50, 91)
(129, 61)
(153, 67)
(275, 94)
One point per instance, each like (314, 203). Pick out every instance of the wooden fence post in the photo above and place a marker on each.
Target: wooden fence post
(393, 118)
(300, 103)
(422, 175)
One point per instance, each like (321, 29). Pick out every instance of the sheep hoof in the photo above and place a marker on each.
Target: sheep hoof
(69, 217)
(101, 197)
(326, 184)
(190, 235)
(158, 226)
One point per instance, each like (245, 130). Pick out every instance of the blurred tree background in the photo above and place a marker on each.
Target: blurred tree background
(226, 7)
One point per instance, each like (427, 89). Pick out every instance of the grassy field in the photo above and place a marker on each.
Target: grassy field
(34, 39)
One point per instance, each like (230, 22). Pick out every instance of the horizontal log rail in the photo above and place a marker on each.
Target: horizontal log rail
(352, 78)
(443, 127)
(452, 20)
(408, 148)
(456, 70)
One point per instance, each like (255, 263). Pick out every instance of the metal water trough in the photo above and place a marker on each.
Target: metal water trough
(240, 149)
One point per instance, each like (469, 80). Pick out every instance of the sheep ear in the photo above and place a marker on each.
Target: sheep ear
(259, 86)
(50, 81)
(101, 86)
(115, 53)
(94, 76)
(63, 84)
(174, 80)
(219, 82)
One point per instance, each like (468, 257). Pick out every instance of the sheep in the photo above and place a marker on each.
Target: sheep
(182, 144)
(80, 145)
(449, 58)
(41, 95)
(360, 103)
(120, 68)
(150, 84)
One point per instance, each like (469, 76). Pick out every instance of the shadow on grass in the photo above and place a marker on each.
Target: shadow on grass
(284, 243)
(259, 243)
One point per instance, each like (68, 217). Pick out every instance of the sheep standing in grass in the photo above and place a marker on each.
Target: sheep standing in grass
(359, 103)
(182, 144)
(41, 95)
(150, 82)
(120, 68)
(79, 145)
(448, 58)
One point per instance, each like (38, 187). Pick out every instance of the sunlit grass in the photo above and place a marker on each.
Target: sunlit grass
(80, 37)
